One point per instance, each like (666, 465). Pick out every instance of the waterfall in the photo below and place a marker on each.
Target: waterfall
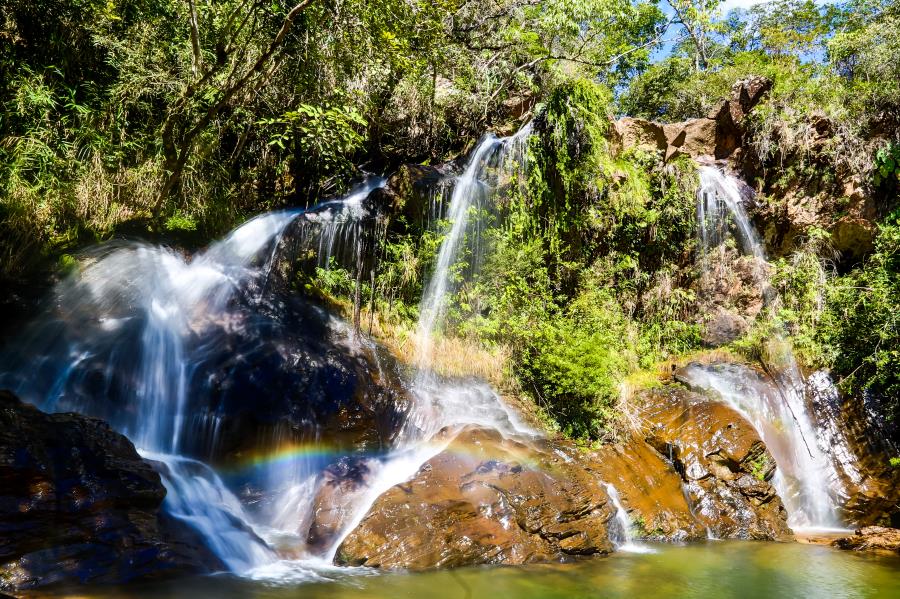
(719, 198)
(439, 404)
(126, 339)
(620, 529)
(470, 191)
(806, 479)
(196, 495)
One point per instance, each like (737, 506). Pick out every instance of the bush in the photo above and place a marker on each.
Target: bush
(860, 327)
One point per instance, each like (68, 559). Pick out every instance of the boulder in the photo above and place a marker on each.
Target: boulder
(640, 133)
(486, 500)
(871, 538)
(746, 94)
(862, 442)
(78, 505)
(725, 466)
(723, 327)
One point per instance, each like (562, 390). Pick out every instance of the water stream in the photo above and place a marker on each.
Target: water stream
(620, 533)
(807, 478)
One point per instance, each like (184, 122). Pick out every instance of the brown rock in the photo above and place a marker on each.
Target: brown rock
(650, 490)
(871, 538)
(723, 327)
(641, 133)
(854, 236)
(746, 94)
(485, 500)
(721, 459)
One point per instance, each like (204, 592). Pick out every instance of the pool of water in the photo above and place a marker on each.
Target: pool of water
(714, 569)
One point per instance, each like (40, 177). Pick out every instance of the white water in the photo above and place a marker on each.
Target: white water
(620, 534)
(806, 478)
(196, 495)
(718, 199)
(470, 190)
(125, 333)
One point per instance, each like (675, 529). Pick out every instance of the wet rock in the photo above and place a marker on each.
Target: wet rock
(486, 500)
(862, 445)
(77, 504)
(289, 377)
(339, 488)
(411, 198)
(871, 538)
(725, 466)
(650, 489)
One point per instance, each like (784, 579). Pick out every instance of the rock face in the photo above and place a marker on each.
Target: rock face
(863, 447)
(697, 468)
(486, 500)
(718, 135)
(77, 504)
(411, 199)
(650, 489)
(723, 463)
(871, 538)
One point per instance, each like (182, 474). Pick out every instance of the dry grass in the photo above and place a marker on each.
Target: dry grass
(449, 356)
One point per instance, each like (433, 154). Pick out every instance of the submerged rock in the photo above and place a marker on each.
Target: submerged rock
(486, 500)
(77, 504)
(871, 538)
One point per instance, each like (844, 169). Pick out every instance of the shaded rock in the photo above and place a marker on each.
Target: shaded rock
(77, 504)
(723, 327)
(862, 445)
(485, 500)
(412, 197)
(871, 538)
(723, 462)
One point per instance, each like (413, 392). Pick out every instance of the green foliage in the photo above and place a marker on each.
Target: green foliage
(759, 465)
(330, 282)
(887, 163)
(180, 222)
(895, 462)
(860, 327)
(576, 361)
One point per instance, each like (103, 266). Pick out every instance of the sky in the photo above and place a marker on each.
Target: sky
(729, 4)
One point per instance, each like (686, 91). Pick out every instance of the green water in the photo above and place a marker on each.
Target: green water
(714, 569)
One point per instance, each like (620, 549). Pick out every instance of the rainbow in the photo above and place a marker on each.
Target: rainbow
(287, 454)
(324, 453)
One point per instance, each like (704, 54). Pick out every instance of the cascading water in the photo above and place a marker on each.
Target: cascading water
(137, 336)
(442, 406)
(439, 404)
(807, 479)
(620, 532)
(196, 495)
